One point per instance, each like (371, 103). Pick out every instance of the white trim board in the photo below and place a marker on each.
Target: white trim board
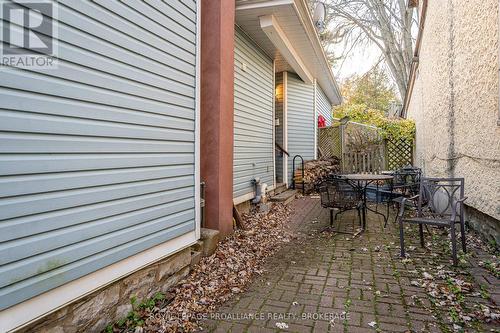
(285, 127)
(273, 100)
(315, 119)
(197, 139)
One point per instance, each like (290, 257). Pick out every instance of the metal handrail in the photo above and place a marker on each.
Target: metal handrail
(281, 149)
(293, 178)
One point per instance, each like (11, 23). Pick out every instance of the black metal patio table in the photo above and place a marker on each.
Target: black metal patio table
(360, 181)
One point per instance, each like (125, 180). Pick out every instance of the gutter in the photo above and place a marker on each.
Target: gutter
(416, 59)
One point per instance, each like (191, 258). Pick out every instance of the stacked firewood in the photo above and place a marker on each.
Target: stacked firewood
(315, 171)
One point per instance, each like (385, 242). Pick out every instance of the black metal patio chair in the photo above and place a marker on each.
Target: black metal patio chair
(337, 194)
(407, 180)
(440, 203)
(405, 184)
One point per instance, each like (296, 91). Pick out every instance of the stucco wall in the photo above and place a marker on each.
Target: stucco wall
(455, 99)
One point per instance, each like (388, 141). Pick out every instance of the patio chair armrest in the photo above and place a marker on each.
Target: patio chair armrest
(403, 205)
(455, 206)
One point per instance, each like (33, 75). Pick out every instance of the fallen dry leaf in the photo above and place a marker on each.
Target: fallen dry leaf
(237, 260)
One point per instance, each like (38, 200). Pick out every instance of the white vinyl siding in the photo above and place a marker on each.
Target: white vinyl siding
(253, 116)
(97, 157)
(323, 106)
(300, 118)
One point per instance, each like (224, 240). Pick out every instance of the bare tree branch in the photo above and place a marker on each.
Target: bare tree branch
(386, 24)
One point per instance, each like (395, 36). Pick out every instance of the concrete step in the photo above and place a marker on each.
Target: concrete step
(280, 188)
(284, 197)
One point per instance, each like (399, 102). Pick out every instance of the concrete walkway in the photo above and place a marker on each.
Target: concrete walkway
(327, 282)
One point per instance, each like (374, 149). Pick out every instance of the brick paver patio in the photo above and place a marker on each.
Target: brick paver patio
(326, 282)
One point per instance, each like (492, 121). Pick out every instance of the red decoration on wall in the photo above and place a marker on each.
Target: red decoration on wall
(321, 121)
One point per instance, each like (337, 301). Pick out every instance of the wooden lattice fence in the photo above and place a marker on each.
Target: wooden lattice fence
(330, 142)
(399, 153)
(367, 161)
(362, 150)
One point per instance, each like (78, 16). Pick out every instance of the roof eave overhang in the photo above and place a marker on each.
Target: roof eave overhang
(275, 33)
(279, 36)
(327, 80)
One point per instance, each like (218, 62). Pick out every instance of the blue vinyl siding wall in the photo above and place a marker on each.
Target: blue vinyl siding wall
(300, 118)
(253, 116)
(323, 105)
(97, 157)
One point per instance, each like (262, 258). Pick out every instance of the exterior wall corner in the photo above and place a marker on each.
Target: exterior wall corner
(217, 94)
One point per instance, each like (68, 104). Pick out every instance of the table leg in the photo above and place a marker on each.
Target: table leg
(369, 209)
(364, 208)
(364, 216)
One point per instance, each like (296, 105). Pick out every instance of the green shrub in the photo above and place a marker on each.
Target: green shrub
(390, 128)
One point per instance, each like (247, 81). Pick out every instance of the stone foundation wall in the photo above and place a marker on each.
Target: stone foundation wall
(484, 224)
(95, 311)
(111, 303)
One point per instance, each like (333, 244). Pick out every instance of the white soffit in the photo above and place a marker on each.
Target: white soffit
(274, 32)
(296, 31)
